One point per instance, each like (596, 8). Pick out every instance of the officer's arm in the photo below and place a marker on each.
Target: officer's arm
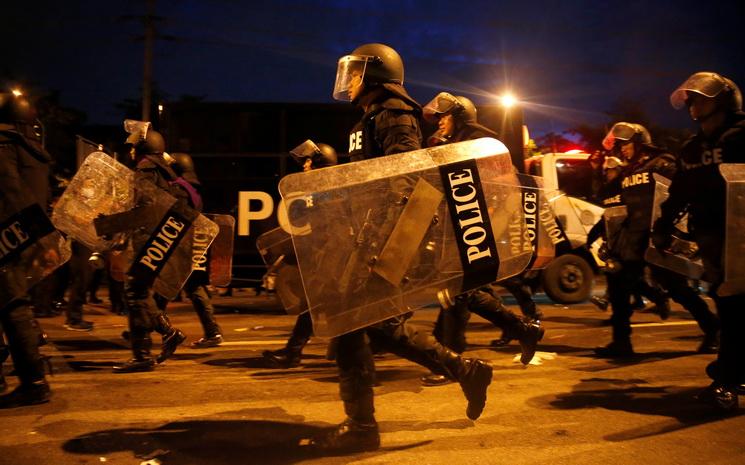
(398, 133)
(11, 184)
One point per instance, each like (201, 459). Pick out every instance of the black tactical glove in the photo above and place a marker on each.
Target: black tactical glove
(662, 234)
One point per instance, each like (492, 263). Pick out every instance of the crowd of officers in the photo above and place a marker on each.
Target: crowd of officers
(372, 78)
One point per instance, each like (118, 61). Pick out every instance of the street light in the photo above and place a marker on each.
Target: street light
(507, 100)
(17, 92)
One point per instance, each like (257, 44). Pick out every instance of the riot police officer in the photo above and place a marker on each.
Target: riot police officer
(456, 118)
(317, 156)
(24, 186)
(715, 103)
(150, 165)
(372, 77)
(633, 144)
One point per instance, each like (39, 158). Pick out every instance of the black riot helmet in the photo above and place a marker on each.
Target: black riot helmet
(143, 138)
(623, 132)
(711, 85)
(462, 108)
(183, 165)
(15, 108)
(371, 64)
(320, 155)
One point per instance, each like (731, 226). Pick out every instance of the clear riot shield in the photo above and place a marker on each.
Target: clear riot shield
(540, 227)
(614, 218)
(734, 245)
(380, 237)
(30, 249)
(104, 207)
(102, 185)
(682, 257)
(275, 247)
(219, 259)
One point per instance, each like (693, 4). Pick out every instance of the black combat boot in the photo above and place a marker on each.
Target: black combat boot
(32, 393)
(348, 437)
(710, 344)
(529, 335)
(142, 360)
(473, 375)
(206, 342)
(282, 358)
(616, 349)
(172, 337)
(723, 398)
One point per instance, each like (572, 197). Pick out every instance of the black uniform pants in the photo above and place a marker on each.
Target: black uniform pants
(621, 285)
(142, 316)
(22, 333)
(681, 292)
(731, 358)
(200, 298)
(81, 275)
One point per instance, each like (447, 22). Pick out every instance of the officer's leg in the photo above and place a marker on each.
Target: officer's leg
(201, 300)
(81, 275)
(620, 287)
(681, 292)
(289, 356)
(22, 333)
(359, 431)
(524, 296)
(488, 305)
(141, 325)
(416, 344)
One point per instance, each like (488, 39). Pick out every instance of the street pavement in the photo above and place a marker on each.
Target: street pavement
(222, 406)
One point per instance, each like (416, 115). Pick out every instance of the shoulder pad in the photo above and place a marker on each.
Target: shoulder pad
(389, 119)
(395, 103)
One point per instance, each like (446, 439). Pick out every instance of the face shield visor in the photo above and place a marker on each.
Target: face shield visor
(350, 73)
(306, 150)
(619, 132)
(442, 104)
(137, 131)
(707, 84)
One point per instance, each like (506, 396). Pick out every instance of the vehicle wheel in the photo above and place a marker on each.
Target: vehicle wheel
(568, 279)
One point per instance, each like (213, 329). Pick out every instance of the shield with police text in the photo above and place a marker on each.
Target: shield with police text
(682, 257)
(380, 237)
(734, 245)
(275, 248)
(106, 208)
(219, 261)
(30, 249)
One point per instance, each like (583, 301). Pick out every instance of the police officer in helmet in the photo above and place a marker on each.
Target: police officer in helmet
(715, 103)
(371, 77)
(24, 186)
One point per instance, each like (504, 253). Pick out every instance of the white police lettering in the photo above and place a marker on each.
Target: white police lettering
(199, 251)
(548, 220)
(11, 238)
(708, 157)
(463, 192)
(161, 243)
(635, 180)
(529, 208)
(355, 141)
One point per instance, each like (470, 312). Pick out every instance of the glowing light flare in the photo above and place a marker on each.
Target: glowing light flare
(17, 92)
(507, 100)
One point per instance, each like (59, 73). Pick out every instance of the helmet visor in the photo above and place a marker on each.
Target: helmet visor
(350, 72)
(137, 130)
(442, 104)
(706, 84)
(302, 152)
(619, 132)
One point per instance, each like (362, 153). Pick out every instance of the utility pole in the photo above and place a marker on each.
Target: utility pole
(147, 67)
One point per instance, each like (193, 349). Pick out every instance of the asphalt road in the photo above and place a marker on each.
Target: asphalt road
(222, 406)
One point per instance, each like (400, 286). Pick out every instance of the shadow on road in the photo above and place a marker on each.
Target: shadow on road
(637, 396)
(636, 359)
(226, 442)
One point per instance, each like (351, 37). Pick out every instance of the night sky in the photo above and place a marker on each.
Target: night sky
(570, 61)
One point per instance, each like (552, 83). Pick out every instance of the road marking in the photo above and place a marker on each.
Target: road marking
(252, 343)
(671, 323)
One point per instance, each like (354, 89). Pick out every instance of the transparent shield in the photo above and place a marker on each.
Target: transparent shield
(734, 245)
(350, 72)
(275, 248)
(220, 253)
(682, 257)
(102, 186)
(614, 218)
(388, 234)
(30, 250)
(540, 227)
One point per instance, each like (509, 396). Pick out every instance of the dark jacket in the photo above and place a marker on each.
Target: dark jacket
(390, 125)
(24, 172)
(637, 194)
(699, 189)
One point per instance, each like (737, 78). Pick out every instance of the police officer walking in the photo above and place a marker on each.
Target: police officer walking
(372, 79)
(24, 187)
(715, 103)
